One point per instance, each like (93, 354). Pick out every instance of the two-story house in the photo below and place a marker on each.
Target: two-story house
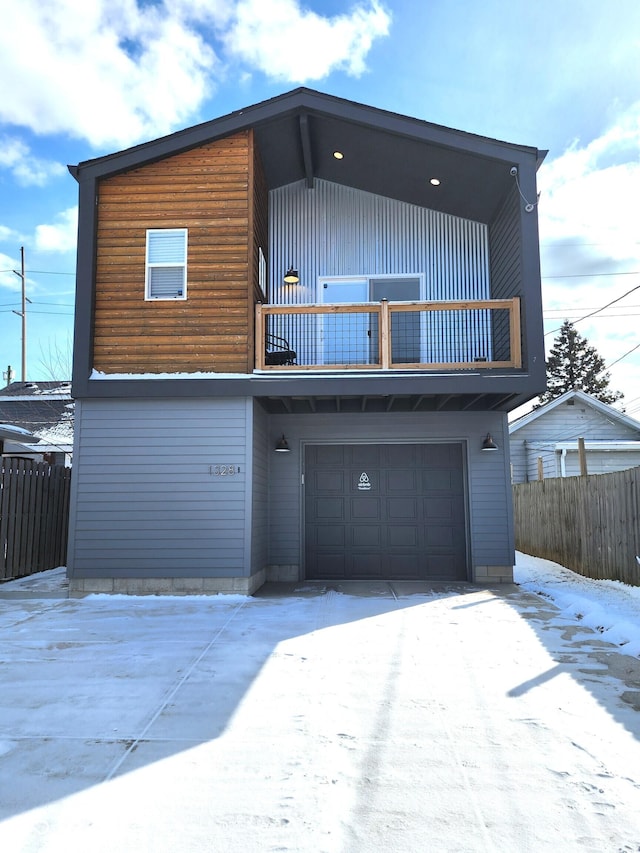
(299, 330)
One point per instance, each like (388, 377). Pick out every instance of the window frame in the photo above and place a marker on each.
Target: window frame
(151, 265)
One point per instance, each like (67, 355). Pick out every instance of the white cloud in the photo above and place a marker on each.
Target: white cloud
(115, 72)
(9, 234)
(592, 190)
(60, 237)
(8, 279)
(27, 169)
(295, 45)
(107, 71)
(588, 226)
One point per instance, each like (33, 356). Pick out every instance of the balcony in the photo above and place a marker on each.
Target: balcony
(384, 336)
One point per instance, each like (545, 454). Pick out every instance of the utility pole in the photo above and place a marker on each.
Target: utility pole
(21, 275)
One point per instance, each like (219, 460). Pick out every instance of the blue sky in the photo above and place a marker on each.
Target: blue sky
(81, 78)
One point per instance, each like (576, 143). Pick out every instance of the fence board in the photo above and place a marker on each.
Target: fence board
(34, 517)
(588, 524)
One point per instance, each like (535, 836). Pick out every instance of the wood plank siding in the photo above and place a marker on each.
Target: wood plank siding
(217, 192)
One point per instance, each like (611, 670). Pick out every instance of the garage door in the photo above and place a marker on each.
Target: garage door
(390, 511)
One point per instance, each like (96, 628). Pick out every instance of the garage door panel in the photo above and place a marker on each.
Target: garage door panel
(385, 511)
(402, 480)
(326, 508)
(366, 565)
(439, 481)
(329, 536)
(403, 536)
(328, 454)
(443, 510)
(365, 508)
(402, 509)
(440, 536)
(401, 455)
(364, 454)
(405, 566)
(329, 481)
(446, 567)
(365, 535)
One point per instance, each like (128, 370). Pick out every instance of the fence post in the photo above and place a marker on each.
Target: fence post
(540, 468)
(582, 456)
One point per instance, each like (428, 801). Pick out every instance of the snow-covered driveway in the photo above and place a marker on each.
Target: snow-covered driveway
(459, 720)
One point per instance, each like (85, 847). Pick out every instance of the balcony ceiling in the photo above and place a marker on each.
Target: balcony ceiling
(384, 153)
(383, 162)
(370, 403)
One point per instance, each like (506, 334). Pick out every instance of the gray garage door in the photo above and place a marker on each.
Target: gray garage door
(385, 511)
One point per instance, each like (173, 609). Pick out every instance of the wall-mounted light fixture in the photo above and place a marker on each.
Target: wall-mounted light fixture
(291, 276)
(487, 444)
(282, 446)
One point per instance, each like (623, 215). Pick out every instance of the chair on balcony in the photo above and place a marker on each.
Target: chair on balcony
(278, 351)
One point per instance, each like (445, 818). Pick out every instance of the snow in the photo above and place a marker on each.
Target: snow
(609, 607)
(315, 376)
(449, 718)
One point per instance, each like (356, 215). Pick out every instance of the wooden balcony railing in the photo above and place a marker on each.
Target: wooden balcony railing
(463, 335)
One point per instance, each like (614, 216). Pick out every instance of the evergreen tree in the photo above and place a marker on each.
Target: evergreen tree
(574, 365)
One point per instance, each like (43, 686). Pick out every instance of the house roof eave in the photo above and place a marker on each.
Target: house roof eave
(385, 153)
(598, 405)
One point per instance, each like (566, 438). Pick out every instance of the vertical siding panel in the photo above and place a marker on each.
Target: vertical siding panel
(335, 230)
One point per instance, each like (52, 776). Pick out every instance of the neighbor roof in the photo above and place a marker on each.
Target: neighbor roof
(42, 408)
(384, 153)
(603, 408)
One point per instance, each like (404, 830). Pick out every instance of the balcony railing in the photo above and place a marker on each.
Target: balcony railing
(469, 335)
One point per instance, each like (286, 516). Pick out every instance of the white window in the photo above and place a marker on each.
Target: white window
(166, 273)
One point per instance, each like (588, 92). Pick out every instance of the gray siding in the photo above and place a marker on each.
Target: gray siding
(148, 506)
(504, 248)
(334, 230)
(505, 266)
(489, 494)
(259, 526)
(147, 503)
(563, 423)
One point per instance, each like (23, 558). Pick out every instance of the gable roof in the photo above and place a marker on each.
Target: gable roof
(587, 399)
(384, 153)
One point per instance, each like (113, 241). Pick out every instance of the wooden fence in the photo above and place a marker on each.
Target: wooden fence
(588, 524)
(34, 517)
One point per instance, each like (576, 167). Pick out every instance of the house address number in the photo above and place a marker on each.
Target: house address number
(224, 470)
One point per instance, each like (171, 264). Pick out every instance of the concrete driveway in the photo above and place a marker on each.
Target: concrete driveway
(355, 718)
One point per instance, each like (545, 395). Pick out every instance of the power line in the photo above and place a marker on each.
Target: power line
(43, 272)
(591, 274)
(572, 308)
(598, 310)
(604, 316)
(633, 349)
(605, 243)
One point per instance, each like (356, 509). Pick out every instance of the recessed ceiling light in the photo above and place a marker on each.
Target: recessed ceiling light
(435, 182)
(338, 155)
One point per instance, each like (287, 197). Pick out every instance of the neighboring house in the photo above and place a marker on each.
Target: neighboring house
(44, 409)
(551, 433)
(408, 326)
(12, 437)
